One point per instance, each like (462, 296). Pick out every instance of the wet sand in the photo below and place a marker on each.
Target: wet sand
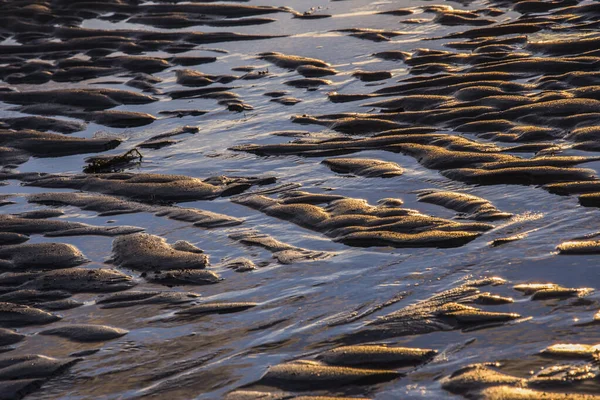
(260, 199)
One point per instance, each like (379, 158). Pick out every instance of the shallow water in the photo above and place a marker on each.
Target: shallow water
(210, 356)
